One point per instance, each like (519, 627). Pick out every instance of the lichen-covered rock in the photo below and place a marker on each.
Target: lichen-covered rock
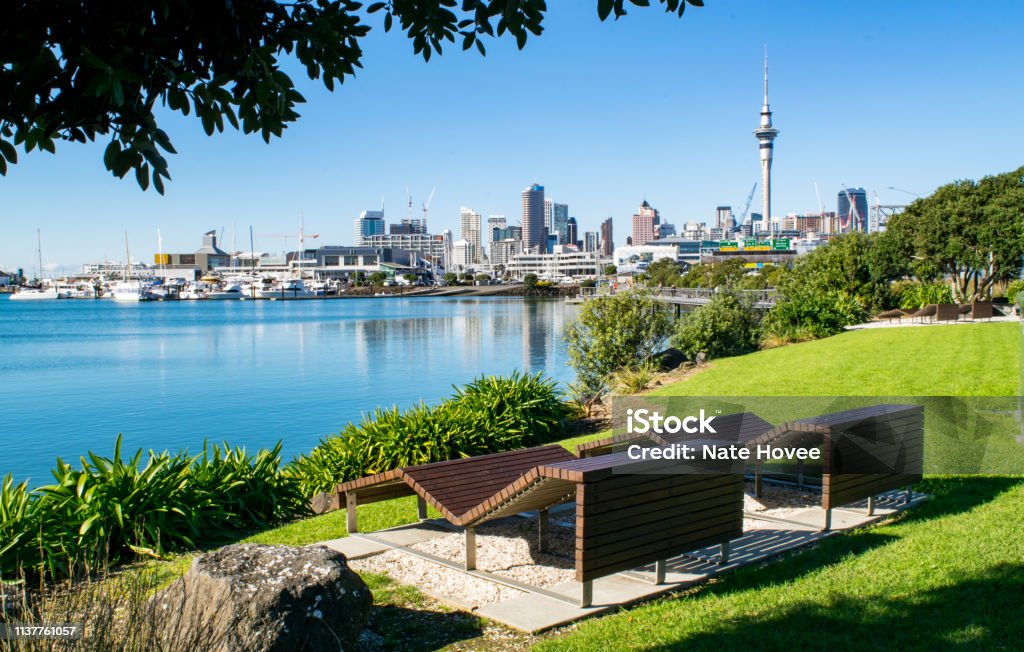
(264, 598)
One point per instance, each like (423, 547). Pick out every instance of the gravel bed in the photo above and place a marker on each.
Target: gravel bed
(780, 502)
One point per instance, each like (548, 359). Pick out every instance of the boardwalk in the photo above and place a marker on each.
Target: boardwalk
(761, 299)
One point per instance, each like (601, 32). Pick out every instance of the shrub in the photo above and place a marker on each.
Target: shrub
(1013, 291)
(914, 295)
(633, 380)
(725, 326)
(612, 332)
(489, 415)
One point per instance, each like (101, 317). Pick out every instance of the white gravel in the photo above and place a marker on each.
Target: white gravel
(508, 548)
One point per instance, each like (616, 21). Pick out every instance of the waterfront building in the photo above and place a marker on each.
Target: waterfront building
(434, 248)
(766, 134)
(637, 258)
(852, 210)
(494, 222)
(555, 266)
(560, 221)
(502, 251)
(607, 239)
(470, 232)
(644, 223)
(188, 266)
(367, 225)
(533, 219)
(346, 263)
(462, 254)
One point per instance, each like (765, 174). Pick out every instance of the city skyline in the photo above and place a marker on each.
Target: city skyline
(687, 151)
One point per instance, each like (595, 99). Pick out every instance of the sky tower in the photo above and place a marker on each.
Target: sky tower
(765, 137)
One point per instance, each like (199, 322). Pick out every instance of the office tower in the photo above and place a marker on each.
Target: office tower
(559, 219)
(590, 241)
(462, 253)
(470, 232)
(368, 223)
(723, 217)
(852, 205)
(643, 224)
(607, 241)
(533, 220)
(548, 208)
(494, 222)
(571, 229)
(766, 134)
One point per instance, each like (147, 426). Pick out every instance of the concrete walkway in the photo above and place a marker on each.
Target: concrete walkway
(536, 610)
(907, 322)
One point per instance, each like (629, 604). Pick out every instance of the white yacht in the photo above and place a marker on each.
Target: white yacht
(35, 294)
(289, 289)
(131, 291)
(231, 291)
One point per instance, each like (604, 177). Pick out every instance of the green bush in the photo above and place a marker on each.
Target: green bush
(914, 295)
(612, 332)
(489, 415)
(725, 326)
(633, 380)
(115, 509)
(1013, 291)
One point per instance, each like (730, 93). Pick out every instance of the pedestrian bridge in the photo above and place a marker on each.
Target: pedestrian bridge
(760, 299)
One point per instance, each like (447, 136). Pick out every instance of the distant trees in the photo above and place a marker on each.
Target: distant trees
(378, 278)
(972, 231)
(78, 71)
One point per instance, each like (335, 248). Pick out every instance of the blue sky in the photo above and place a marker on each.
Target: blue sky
(876, 93)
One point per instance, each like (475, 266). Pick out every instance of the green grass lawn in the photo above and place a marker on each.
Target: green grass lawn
(948, 575)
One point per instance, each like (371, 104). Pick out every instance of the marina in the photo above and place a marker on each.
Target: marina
(169, 375)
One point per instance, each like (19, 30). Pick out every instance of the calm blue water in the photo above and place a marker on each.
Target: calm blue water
(73, 374)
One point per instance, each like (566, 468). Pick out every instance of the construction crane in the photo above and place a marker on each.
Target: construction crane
(426, 207)
(302, 235)
(746, 208)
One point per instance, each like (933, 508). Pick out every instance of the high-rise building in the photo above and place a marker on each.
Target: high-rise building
(571, 231)
(607, 241)
(590, 241)
(369, 223)
(533, 220)
(723, 217)
(766, 134)
(502, 251)
(852, 209)
(559, 219)
(494, 222)
(548, 209)
(462, 254)
(643, 224)
(470, 221)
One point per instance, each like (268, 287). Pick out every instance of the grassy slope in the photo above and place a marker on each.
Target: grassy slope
(947, 576)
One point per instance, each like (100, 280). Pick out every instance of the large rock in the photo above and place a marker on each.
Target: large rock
(264, 598)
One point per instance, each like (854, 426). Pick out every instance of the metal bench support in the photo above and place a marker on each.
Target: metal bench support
(909, 495)
(659, 571)
(587, 594)
(724, 555)
(828, 521)
(543, 526)
(871, 505)
(421, 508)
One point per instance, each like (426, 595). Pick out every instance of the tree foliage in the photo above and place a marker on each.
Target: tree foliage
(727, 325)
(79, 71)
(970, 230)
(612, 332)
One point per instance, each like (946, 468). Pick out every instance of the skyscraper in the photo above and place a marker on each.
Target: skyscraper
(547, 214)
(852, 205)
(559, 219)
(766, 134)
(494, 222)
(607, 241)
(533, 219)
(368, 223)
(571, 231)
(470, 220)
(643, 224)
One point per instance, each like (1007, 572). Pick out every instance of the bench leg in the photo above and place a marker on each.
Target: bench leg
(659, 571)
(800, 474)
(587, 594)
(871, 505)
(723, 555)
(757, 480)
(828, 520)
(543, 521)
(470, 548)
(909, 495)
(351, 502)
(421, 508)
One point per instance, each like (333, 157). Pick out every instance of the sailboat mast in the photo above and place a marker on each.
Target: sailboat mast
(39, 253)
(127, 259)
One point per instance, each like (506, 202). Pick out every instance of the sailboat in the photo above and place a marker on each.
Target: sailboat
(35, 294)
(130, 290)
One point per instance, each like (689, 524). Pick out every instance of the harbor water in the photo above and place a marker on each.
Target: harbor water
(74, 374)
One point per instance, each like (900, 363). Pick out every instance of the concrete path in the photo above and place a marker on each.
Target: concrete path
(542, 609)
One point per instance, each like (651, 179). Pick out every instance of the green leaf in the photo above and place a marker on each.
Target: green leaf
(142, 175)
(8, 151)
(604, 8)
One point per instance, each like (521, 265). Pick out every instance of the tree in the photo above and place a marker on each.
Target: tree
(409, 278)
(378, 278)
(530, 282)
(971, 231)
(725, 326)
(610, 270)
(89, 69)
(663, 271)
(613, 332)
(450, 278)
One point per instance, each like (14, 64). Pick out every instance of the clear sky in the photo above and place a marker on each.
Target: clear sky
(876, 93)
